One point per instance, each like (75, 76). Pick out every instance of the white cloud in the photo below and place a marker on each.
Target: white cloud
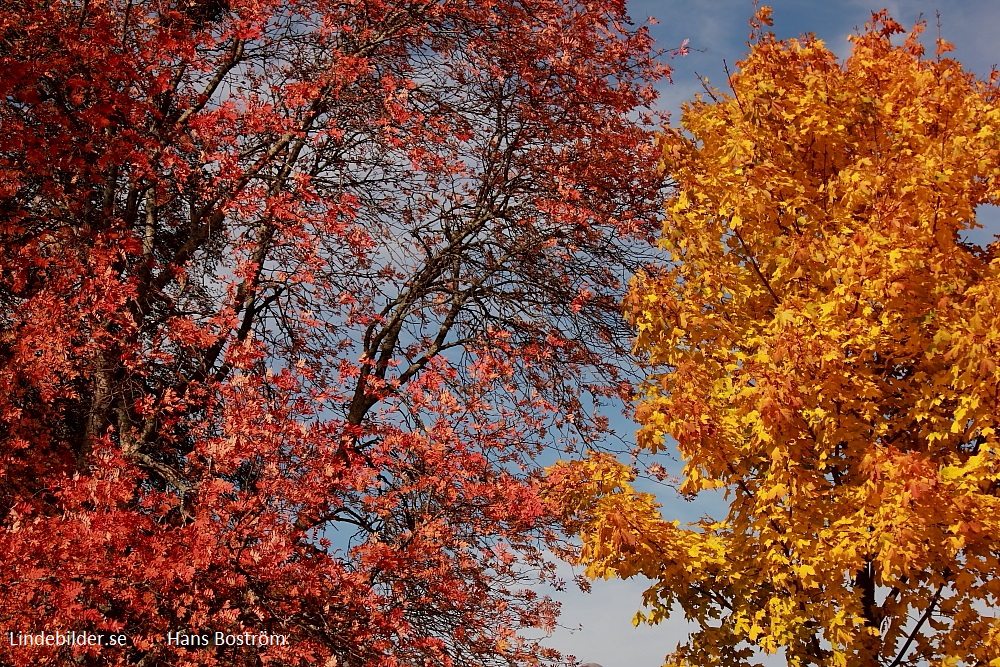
(597, 626)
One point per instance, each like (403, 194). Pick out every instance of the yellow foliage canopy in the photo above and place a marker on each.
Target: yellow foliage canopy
(823, 346)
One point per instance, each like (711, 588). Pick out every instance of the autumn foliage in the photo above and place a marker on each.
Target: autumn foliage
(291, 295)
(823, 347)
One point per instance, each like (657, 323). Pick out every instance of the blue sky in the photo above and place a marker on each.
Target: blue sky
(598, 626)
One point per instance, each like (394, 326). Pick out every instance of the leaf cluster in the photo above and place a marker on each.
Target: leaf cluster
(822, 345)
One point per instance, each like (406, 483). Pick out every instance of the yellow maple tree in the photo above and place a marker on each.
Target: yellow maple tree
(823, 346)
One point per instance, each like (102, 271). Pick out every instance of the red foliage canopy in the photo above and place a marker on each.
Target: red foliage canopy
(291, 295)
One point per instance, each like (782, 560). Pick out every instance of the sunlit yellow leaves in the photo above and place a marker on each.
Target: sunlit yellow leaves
(822, 344)
(624, 534)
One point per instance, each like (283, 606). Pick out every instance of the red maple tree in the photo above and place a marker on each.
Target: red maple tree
(291, 296)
